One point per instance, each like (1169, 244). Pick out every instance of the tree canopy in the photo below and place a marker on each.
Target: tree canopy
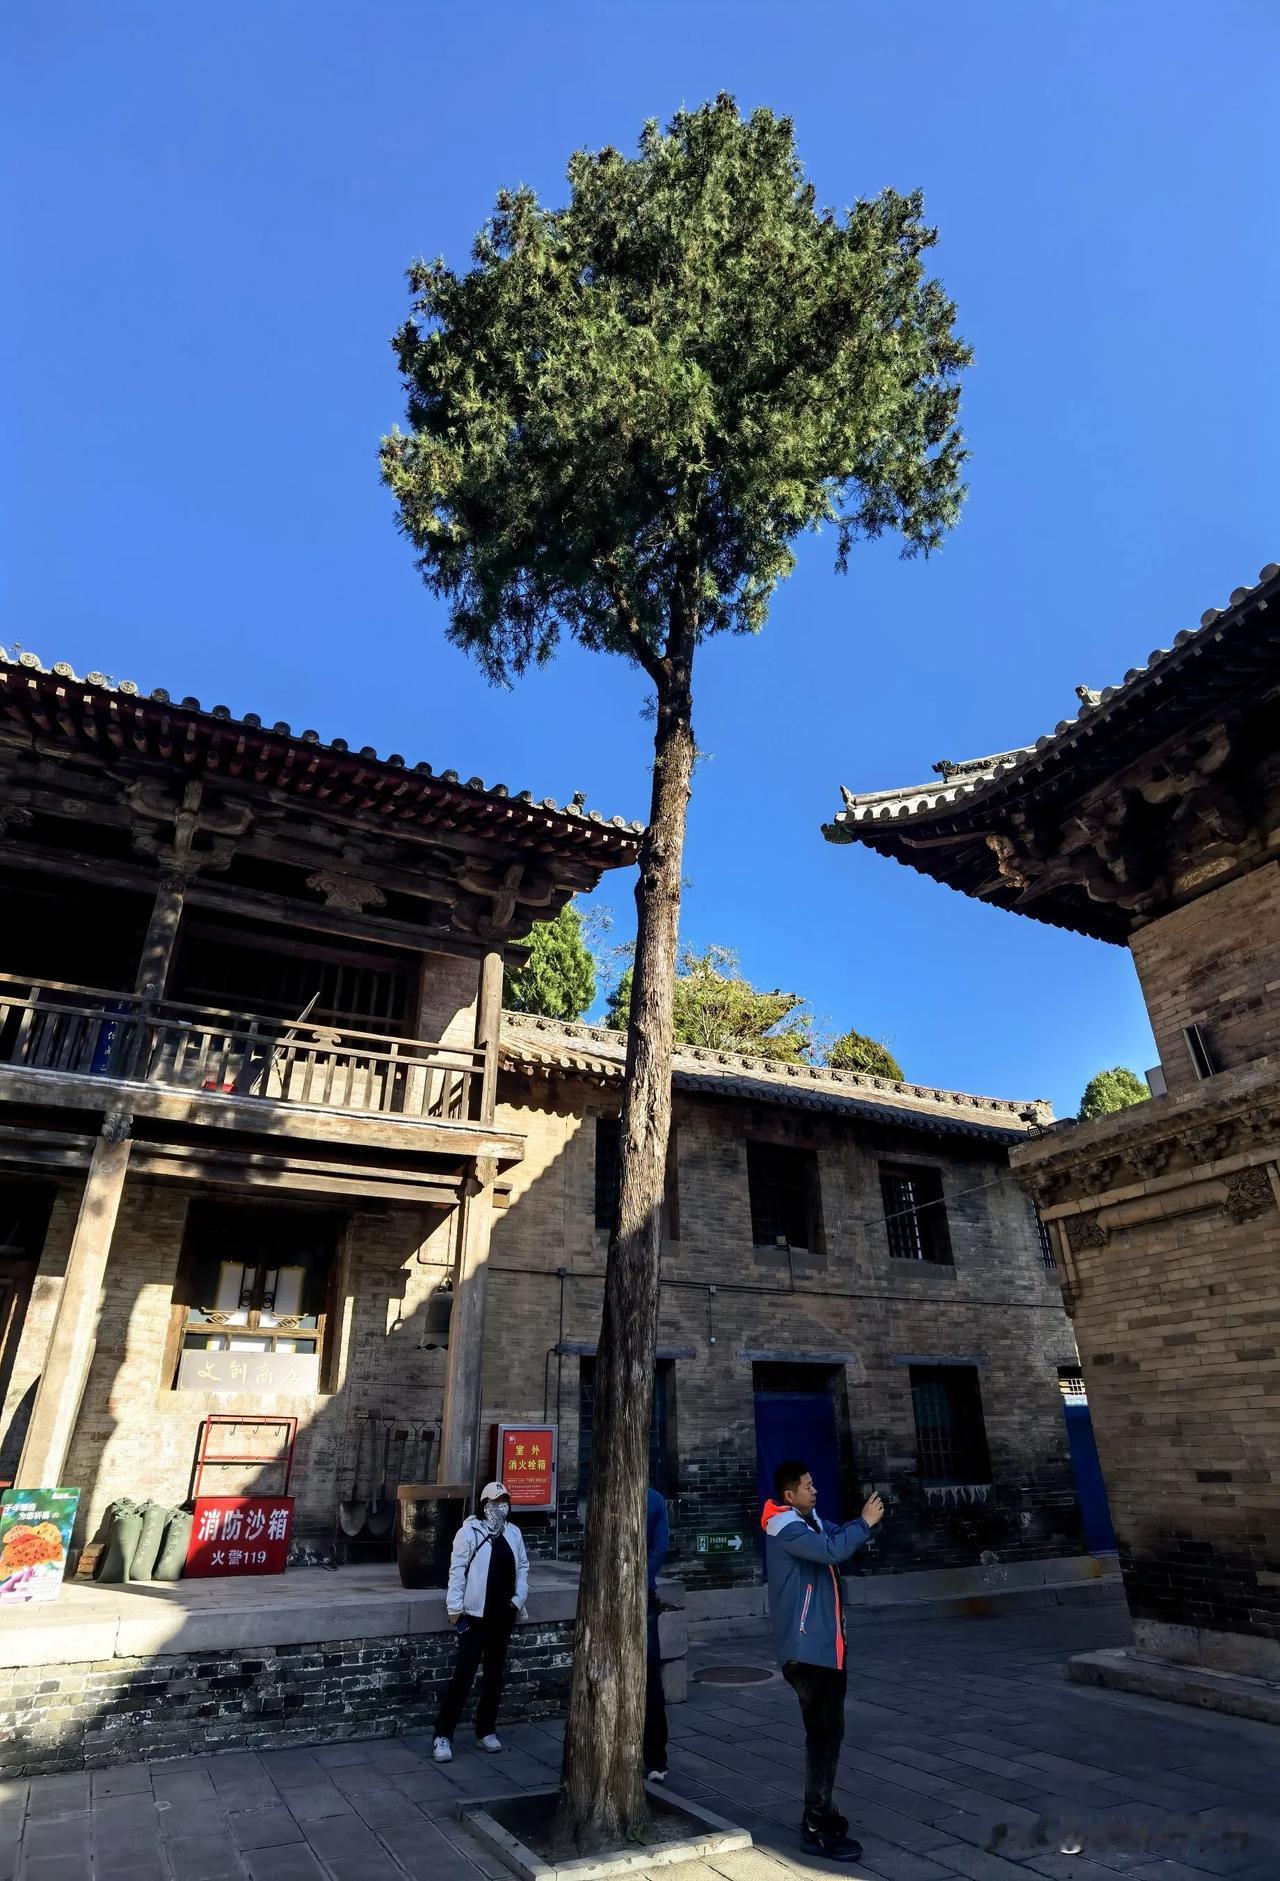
(635, 402)
(854, 1051)
(1112, 1090)
(559, 978)
(716, 1006)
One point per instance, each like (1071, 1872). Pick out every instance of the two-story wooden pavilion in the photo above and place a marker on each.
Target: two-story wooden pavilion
(250, 985)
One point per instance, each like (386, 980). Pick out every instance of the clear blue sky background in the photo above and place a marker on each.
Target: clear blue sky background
(210, 211)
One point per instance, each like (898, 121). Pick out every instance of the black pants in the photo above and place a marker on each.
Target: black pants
(655, 1703)
(821, 1690)
(483, 1644)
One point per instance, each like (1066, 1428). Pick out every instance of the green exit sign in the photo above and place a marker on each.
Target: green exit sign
(720, 1544)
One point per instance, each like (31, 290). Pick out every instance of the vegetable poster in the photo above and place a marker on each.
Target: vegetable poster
(35, 1533)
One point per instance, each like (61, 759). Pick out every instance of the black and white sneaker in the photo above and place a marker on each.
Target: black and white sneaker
(655, 1776)
(830, 1843)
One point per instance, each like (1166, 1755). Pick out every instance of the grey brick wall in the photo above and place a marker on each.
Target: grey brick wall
(76, 1716)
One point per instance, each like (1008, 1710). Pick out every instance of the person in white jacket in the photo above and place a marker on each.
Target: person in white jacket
(488, 1586)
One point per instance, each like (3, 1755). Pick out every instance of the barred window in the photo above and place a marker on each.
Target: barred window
(951, 1438)
(915, 1215)
(662, 1462)
(783, 1186)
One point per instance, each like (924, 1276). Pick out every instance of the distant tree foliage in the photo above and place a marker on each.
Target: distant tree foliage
(1112, 1090)
(854, 1051)
(559, 979)
(716, 1006)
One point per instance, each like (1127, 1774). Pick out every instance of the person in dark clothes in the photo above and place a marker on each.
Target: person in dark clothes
(488, 1585)
(655, 1704)
(802, 1554)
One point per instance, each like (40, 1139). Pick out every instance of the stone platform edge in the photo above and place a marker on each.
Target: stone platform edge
(1233, 1693)
(61, 1635)
(930, 1593)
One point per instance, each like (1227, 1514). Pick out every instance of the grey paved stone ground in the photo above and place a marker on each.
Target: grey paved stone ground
(967, 1756)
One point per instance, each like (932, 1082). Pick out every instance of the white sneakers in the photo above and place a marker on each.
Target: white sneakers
(442, 1749)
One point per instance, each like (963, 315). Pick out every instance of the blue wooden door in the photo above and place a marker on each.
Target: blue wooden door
(799, 1424)
(1099, 1536)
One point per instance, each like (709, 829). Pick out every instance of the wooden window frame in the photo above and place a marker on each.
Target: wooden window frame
(193, 1257)
(807, 1188)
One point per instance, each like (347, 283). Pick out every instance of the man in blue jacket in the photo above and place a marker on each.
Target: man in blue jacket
(803, 1556)
(658, 1537)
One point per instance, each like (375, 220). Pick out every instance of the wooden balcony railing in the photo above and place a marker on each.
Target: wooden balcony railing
(85, 1032)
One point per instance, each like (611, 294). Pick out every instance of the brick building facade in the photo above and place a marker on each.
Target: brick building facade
(1153, 819)
(838, 1250)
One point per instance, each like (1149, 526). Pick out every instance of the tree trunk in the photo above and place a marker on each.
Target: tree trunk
(602, 1789)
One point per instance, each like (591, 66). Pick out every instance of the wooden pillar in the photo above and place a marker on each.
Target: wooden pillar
(488, 1025)
(71, 1343)
(464, 1378)
(162, 935)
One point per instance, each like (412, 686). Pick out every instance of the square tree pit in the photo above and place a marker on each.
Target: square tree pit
(518, 1828)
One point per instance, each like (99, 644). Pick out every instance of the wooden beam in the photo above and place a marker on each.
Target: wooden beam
(278, 1122)
(71, 1343)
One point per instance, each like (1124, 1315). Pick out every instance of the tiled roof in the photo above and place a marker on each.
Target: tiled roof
(97, 695)
(534, 1044)
(977, 778)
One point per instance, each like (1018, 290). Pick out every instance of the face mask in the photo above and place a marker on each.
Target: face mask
(495, 1516)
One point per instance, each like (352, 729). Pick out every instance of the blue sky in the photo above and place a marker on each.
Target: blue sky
(209, 214)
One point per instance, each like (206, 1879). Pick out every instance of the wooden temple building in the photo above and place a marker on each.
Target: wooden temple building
(1152, 820)
(250, 987)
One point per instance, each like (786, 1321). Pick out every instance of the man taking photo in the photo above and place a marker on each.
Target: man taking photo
(803, 1555)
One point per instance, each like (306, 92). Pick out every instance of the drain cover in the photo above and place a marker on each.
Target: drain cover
(733, 1675)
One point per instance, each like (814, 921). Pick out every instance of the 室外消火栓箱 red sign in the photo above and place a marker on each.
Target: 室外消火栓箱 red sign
(527, 1464)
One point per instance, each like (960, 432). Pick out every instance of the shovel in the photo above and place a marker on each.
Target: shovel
(375, 1522)
(351, 1513)
(382, 1517)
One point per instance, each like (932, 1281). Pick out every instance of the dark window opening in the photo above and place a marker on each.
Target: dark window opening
(24, 1218)
(608, 1171)
(951, 1437)
(285, 977)
(915, 1215)
(609, 1177)
(662, 1469)
(1071, 1384)
(783, 1186)
(79, 935)
(256, 1280)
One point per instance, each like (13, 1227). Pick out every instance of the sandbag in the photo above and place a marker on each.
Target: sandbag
(155, 1516)
(172, 1558)
(115, 1563)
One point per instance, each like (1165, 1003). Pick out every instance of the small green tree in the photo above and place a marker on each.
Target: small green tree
(717, 1007)
(621, 418)
(854, 1051)
(1112, 1090)
(559, 978)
